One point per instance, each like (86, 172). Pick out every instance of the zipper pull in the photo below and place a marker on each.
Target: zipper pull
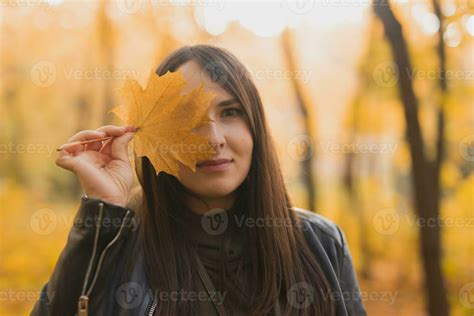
(82, 306)
(152, 308)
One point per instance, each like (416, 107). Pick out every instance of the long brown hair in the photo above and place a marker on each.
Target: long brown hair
(279, 254)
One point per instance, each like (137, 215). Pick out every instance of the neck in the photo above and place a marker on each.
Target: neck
(200, 205)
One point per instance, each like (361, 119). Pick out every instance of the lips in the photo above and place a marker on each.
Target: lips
(213, 162)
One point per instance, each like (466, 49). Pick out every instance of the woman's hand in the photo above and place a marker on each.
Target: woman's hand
(106, 174)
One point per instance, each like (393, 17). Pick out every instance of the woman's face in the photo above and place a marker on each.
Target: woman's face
(229, 134)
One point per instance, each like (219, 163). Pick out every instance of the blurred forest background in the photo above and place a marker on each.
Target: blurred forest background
(370, 104)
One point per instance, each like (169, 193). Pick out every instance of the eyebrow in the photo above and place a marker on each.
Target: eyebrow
(228, 102)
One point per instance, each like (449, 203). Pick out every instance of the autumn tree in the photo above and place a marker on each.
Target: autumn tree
(425, 173)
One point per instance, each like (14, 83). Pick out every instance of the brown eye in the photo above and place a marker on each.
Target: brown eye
(232, 112)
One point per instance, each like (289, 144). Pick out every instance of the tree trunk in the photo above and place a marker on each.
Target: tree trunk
(304, 109)
(425, 174)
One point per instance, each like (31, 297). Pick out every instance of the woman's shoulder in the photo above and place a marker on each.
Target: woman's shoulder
(329, 243)
(320, 225)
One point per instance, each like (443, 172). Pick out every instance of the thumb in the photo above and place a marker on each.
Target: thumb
(119, 148)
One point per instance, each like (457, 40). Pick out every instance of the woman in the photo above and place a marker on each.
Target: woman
(224, 240)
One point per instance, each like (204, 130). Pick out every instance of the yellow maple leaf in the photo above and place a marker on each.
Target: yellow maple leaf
(165, 119)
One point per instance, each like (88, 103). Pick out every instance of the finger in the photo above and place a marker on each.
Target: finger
(86, 135)
(107, 146)
(65, 160)
(70, 161)
(72, 148)
(82, 136)
(112, 130)
(115, 131)
(119, 149)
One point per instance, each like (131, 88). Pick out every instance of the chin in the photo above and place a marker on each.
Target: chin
(214, 192)
(215, 189)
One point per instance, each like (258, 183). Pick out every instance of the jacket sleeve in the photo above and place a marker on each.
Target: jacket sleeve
(98, 233)
(348, 280)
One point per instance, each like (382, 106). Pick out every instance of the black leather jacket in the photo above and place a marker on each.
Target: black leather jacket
(88, 278)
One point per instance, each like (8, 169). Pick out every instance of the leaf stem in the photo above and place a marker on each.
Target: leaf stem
(83, 142)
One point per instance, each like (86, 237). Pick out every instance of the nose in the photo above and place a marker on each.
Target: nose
(213, 132)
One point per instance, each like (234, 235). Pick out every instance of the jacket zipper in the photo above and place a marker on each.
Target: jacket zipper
(152, 308)
(83, 303)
